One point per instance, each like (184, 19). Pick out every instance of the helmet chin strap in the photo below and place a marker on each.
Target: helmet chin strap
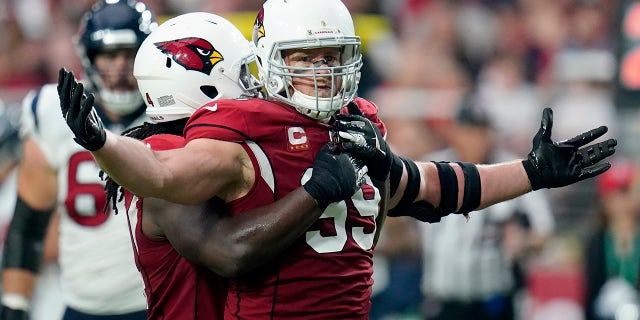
(121, 103)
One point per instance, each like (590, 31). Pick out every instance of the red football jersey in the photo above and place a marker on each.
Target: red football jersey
(176, 288)
(327, 272)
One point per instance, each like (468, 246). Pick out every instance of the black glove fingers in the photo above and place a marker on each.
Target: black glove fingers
(587, 137)
(341, 124)
(347, 117)
(331, 147)
(353, 109)
(79, 114)
(546, 124)
(65, 82)
(596, 152)
(360, 170)
(359, 149)
(77, 92)
(593, 171)
(350, 123)
(86, 106)
(62, 75)
(335, 177)
(553, 164)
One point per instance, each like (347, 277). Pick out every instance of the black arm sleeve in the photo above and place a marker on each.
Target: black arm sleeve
(472, 187)
(24, 246)
(426, 212)
(420, 210)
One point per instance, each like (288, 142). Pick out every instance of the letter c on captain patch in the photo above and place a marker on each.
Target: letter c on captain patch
(297, 139)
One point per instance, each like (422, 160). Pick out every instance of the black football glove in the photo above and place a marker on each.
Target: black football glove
(553, 164)
(362, 138)
(335, 177)
(78, 112)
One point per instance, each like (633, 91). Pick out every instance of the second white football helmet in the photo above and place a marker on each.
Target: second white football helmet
(190, 60)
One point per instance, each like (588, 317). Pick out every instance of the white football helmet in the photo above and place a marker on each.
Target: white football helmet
(190, 60)
(305, 24)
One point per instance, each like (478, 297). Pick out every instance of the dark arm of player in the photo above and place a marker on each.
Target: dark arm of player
(232, 245)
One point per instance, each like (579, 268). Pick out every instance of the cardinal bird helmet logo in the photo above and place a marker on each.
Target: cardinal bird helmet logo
(258, 27)
(192, 53)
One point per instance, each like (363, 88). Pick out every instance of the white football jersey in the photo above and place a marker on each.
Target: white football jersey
(98, 273)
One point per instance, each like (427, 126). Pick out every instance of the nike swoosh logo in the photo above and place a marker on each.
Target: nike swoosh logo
(213, 108)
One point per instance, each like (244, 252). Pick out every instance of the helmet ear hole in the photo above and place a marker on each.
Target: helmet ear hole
(209, 91)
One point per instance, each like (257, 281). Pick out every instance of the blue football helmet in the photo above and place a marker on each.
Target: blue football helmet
(110, 25)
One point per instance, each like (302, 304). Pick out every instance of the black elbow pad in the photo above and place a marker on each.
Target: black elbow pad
(24, 245)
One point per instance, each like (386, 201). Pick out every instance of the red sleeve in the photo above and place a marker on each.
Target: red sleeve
(370, 110)
(164, 141)
(221, 119)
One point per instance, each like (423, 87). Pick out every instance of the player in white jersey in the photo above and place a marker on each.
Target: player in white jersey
(46, 301)
(98, 274)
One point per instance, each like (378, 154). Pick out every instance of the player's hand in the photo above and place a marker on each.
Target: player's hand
(78, 112)
(335, 177)
(362, 138)
(552, 164)
(7, 313)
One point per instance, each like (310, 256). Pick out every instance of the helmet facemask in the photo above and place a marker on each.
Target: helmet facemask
(340, 79)
(124, 98)
(250, 84)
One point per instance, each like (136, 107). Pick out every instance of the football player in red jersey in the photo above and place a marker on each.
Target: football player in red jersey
(252, 152)
(176, 247)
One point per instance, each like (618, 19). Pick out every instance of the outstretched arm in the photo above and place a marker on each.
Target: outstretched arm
(190, 175)
(204, 168)
(435, 189)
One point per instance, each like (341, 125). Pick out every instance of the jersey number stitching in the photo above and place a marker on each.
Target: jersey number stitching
(79, 189)
(363, 203)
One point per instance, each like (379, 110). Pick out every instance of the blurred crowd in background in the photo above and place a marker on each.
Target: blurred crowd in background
(471, 77)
